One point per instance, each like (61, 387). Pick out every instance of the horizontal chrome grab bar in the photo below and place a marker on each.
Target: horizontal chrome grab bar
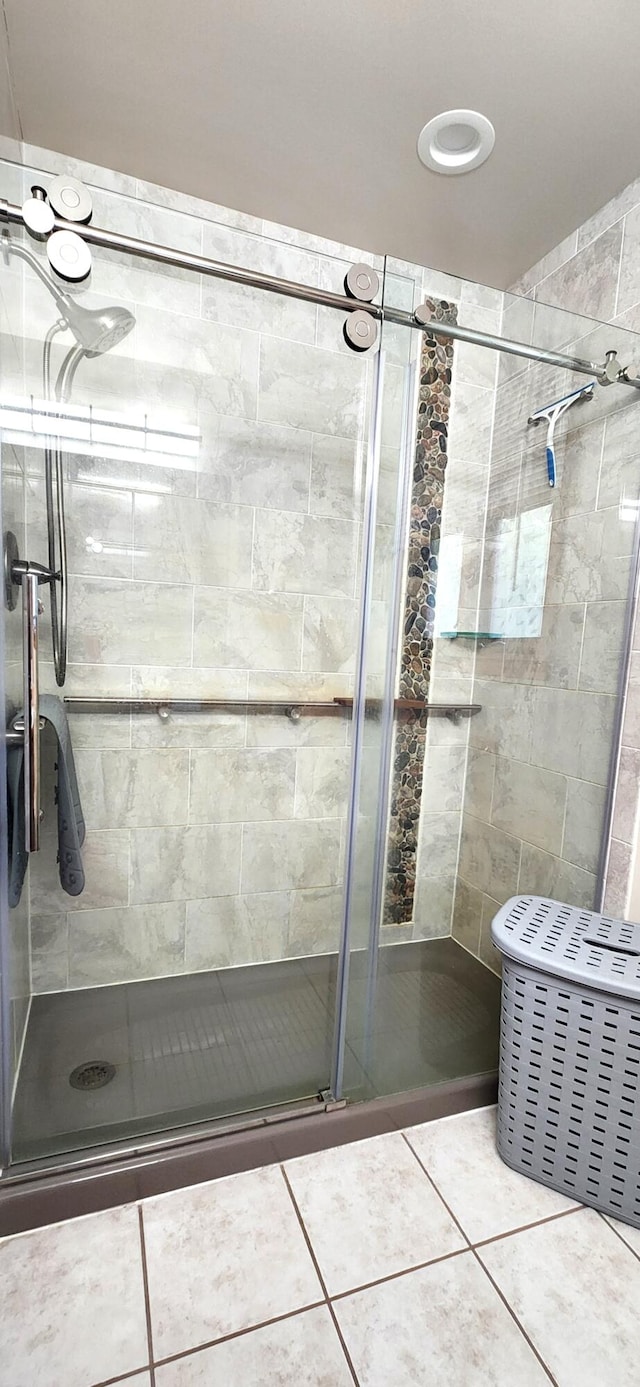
(337, 707)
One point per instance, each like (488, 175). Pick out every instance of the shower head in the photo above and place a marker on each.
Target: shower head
(96, 330)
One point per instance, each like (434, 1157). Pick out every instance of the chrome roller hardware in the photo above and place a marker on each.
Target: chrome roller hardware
(361, 282)
(360, 331)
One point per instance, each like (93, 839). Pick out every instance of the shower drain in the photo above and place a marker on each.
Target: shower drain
(93, 1074)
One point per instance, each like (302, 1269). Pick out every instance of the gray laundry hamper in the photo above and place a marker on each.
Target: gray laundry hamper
(569, 1090)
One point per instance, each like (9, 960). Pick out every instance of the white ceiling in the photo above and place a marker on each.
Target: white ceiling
(307, 111)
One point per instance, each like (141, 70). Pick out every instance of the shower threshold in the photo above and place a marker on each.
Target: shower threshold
(180, 1052)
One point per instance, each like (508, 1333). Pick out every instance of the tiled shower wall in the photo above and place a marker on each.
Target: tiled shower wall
(555, 582)
(211, 839)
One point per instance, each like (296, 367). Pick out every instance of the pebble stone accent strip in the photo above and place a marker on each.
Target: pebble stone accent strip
(436, 364)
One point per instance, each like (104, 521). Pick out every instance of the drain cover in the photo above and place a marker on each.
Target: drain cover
(93, 1074)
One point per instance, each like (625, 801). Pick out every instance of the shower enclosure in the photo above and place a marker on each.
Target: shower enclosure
(344, 672)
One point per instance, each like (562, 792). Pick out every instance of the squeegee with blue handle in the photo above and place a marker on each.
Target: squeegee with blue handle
(552, 413)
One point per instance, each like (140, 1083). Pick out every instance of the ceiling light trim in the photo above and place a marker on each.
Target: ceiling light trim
(456, 142)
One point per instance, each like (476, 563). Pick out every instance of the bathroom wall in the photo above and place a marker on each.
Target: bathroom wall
(554, 584)
(212, 838)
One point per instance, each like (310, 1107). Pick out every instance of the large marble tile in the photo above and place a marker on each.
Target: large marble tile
(315, 920)
(572, 733)
(478, 783)
(243, 306)
(99, 528)
(489, 857)
(330, 633)
(542, 874)
(304, 553)
(59, 1280)
(583, 824)
(118, 945)
(199, 729)
(105, 857)
(461, 1157)
(222, 1257)
(309, 388)
(589, 558)
(302, 1351)
(184, 540)
(574, 1287)
(234, 786)
(172, 681)
(505, 724)
(619, 879)
(467, 915)
(336, 478)
(552, 656)
(602, 647)
(470, 423)
(443, 1325)
(344, 1198)
(629, 285)
(49, 951)
(229, 930)
(219, 363)
(251, 464)
(322, 782)
(178, 864)
(626, 799)
(290, 856)
(133, 788)
(587, 282)
(444, 776)
(529, 802)
(247, 630)
(124, 623)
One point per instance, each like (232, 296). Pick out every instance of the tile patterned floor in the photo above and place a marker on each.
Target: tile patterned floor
(410, 1258)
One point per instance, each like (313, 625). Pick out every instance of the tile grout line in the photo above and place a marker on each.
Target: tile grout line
(124, 1377)
(484, 1269)
(514, 1317)
(234, 1334)
(147, 1302)
(320, 1277)
(605, 1219)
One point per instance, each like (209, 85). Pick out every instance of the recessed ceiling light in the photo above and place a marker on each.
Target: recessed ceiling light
(456, 141)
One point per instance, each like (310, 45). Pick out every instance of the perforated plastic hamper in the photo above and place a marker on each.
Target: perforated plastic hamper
(568, 1102)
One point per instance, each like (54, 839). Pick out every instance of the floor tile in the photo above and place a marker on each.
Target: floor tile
(370, 1211)
(461, 1157)
(629, 1235)
(575, 1289)
(303, 1351)
(73, 1302)
(444, 1326)
(222, 1257)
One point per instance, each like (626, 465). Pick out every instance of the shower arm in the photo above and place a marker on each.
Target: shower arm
(11, 247)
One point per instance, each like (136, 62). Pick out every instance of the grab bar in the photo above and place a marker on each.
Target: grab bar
(29, 576)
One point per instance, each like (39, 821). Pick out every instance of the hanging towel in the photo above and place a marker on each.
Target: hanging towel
(71, 826)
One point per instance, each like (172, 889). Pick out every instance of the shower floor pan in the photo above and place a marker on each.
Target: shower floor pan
(170, 1052)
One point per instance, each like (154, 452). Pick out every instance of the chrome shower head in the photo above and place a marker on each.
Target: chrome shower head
(97, 330)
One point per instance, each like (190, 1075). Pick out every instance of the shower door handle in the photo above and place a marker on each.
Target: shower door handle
(29, 576)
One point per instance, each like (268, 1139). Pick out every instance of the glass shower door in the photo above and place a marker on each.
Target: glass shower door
(517, 605)
(214, 465)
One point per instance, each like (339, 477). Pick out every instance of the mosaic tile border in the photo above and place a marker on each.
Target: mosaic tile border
(436, 366)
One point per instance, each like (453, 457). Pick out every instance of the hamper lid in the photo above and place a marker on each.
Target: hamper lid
(580, 945)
